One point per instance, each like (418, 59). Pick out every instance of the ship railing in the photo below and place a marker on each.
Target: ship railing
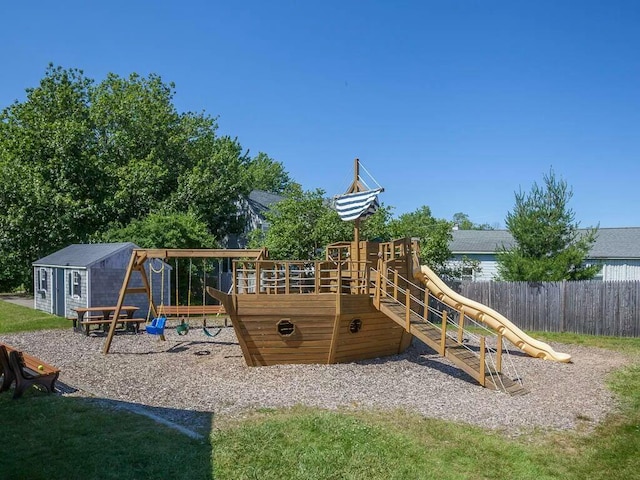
(398, 248)
(422, 306)
(299, 277)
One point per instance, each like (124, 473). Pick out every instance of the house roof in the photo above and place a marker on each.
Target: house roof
(610, 242)
(260, 201)
(82, 255)
(480, 241)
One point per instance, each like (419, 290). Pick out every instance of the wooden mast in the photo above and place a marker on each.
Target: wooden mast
(356, 186)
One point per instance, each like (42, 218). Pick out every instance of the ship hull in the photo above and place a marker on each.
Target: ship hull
(318, 328)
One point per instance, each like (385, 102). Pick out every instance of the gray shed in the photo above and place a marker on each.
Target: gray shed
(89, 275)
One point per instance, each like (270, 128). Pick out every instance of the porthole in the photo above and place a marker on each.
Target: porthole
(355, 325)
(286, 328)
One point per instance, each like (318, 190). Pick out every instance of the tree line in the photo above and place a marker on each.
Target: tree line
(85, 161)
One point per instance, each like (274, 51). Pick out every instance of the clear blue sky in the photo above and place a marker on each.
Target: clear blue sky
(453, 104)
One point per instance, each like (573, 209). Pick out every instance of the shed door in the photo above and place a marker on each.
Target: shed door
(58, 292)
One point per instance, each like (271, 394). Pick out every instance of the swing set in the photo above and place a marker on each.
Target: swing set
(156, 325)
(158, 315)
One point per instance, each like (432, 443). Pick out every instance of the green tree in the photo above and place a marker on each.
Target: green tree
(79, 158)
(549, 245)
(434, 236)
(48, 173)
(164, 230)
(463, 222)
(266, 174)
(214, 186)
(377, 226)
(301, 226)
(147, 147)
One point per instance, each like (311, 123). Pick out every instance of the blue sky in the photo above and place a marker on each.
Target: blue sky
(453, 104)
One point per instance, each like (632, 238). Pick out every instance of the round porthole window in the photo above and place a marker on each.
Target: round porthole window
(355, 325)
(286, 328)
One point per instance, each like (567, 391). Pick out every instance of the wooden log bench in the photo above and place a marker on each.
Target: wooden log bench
(25, 370)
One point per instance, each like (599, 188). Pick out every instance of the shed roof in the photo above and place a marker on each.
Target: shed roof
(82, 255)
(620, 243)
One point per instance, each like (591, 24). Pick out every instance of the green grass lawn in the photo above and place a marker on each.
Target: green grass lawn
(62, 437)
(15, 318)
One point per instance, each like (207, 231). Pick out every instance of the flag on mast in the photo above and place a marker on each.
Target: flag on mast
(352, 206)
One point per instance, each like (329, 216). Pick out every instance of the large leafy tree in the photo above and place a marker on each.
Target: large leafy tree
(79, 158)
(269, 175)
(301, 226)
(549, 245)
(434, 236)
(213, 187)
(48, 173)
(164, 230)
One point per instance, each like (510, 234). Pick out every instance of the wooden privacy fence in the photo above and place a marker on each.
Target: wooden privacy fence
(589, 307)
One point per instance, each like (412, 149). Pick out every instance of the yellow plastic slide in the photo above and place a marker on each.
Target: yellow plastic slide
(488, 316)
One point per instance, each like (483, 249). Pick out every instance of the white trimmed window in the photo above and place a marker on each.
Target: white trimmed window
(76, 284)
(42, 279)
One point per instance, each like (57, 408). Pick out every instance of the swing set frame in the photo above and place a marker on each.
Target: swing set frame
(137, 263)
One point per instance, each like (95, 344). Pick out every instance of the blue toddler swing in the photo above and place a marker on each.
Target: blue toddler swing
(156, 327)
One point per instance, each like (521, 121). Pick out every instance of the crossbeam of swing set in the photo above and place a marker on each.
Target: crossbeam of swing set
(164, 253)
(139, 257)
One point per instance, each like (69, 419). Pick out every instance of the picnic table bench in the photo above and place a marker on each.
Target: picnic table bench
(25, 370)
(87, 316)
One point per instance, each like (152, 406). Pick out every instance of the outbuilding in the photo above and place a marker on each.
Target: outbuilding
(88, 275)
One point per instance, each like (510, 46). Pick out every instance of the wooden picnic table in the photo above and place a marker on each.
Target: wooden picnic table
(105, 317)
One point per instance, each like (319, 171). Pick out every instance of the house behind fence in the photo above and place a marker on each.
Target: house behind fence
(616, 250)
(585, 307)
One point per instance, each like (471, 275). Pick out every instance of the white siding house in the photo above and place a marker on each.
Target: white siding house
(616, 249)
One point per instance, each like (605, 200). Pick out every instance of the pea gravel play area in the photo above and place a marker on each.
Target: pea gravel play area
(194, 373)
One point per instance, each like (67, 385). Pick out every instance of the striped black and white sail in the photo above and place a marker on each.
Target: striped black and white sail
(352, 206)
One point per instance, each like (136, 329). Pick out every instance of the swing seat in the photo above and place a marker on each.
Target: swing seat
(156, 327)
(209, 334)
(183, 328)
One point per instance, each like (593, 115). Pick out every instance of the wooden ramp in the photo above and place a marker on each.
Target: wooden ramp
(461, 356)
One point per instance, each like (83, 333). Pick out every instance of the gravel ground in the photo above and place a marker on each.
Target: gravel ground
(193, 379)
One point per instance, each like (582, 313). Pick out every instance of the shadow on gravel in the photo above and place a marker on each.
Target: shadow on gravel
(419, 353)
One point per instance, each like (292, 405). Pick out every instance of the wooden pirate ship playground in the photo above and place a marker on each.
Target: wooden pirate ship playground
(364, 300)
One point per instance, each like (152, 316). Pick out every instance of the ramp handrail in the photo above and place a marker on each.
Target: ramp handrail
(393, 286)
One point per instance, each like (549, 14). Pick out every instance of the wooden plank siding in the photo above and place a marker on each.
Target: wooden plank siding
(313, 316)
(378, 336)
(317, 337)
(585, 307)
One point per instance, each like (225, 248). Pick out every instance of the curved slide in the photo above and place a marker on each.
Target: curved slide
(488, 316)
